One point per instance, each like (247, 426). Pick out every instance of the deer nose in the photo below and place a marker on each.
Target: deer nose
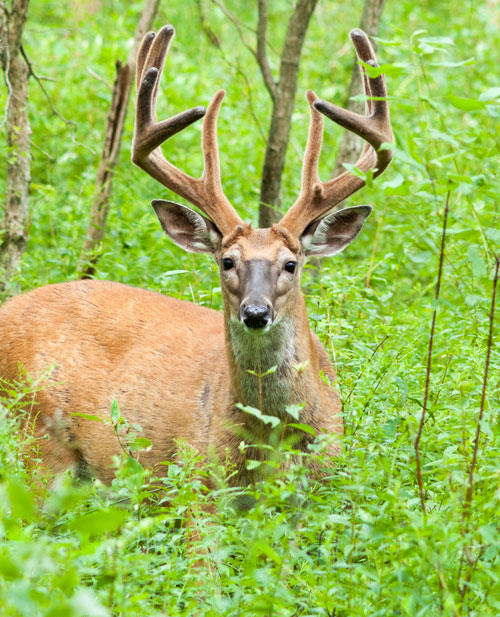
(256, 316)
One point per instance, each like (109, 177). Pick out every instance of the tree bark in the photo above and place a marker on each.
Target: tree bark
(112, 143)
(13, 231)
(283, 96)
(351, 144)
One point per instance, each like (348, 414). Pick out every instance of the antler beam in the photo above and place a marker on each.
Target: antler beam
(205, 192)
(317, 198)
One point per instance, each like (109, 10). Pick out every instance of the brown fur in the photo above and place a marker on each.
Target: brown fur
(163, 359)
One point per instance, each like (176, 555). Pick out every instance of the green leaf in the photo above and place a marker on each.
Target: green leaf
(100, 522)
(294, 410)
(451, 65)
(476, 260)
(269, 371)
(85, 604)
(304, 427)
(115, 411)
(490, 534)
(492, 234)
(87, 416)
(8, 569)
(465, 104)
(140, 443)
(473, 299)
(490, 95)
(21, 500)
(272, 420)
(251, 464)
(389, 70)
(420, 258)
(354, 170)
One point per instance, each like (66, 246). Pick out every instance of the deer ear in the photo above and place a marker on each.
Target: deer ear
(188, 229)
(334, 232)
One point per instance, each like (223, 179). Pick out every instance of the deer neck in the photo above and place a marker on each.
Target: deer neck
(266, 368)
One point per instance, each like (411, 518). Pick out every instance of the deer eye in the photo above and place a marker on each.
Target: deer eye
(290, 266)
(227, 263)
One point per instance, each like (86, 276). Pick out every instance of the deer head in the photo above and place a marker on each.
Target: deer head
(259, 268)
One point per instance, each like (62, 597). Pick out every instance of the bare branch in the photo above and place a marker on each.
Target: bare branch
(69, 123)
(212, 37)
(261, 55)
(238, 25)
(283, 104)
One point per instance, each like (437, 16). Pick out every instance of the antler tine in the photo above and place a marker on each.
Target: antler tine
(317, 198)
(205, 192)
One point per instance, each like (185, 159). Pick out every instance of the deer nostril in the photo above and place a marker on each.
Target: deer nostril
(255, 316)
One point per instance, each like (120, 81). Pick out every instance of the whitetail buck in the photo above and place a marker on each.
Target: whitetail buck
(175, 368)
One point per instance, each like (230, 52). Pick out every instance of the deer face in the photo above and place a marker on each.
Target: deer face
(260, 274)
(260, 268)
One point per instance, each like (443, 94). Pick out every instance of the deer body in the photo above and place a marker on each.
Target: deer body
(85, 369)
(176, 369)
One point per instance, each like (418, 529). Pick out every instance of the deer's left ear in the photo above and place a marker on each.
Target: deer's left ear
(334, 232)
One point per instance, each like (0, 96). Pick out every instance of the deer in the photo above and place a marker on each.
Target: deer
(183, 371)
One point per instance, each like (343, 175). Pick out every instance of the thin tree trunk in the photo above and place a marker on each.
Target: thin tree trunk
(351, 144)
(13, 231)
(112, 142)
(283, 95)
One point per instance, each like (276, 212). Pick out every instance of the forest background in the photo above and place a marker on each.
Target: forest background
(408, 522)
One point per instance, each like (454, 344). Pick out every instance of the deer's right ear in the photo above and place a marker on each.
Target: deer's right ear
(188, 229)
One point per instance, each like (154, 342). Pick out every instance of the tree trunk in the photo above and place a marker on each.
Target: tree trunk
(13, 232)
(351, 144)
(112, 142)
(283, 103)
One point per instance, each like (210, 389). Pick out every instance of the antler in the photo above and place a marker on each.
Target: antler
(205, 192)
(316, 197)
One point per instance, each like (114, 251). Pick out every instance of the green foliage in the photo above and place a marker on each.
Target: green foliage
(355, 543)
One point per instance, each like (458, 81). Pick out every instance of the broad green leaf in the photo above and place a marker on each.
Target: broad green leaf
(85, 604)
(8, 569)
(476, 260)
(304, 427)
(490, 95)
(451, 65)
(492, 234)
(473, 299)
(465, 104)
(251, 464)
(21, 500)
(99, 522)
(294, 410)
(140, 443)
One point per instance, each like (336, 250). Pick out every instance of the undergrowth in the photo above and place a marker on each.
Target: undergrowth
(381, 534)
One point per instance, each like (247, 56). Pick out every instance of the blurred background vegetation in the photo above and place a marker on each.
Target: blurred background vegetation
(359, 544)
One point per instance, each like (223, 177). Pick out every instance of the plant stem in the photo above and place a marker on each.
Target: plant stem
(429, 361)
(470, 484)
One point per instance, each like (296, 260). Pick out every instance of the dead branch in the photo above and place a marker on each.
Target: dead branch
(112, 143)
(283, 104)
